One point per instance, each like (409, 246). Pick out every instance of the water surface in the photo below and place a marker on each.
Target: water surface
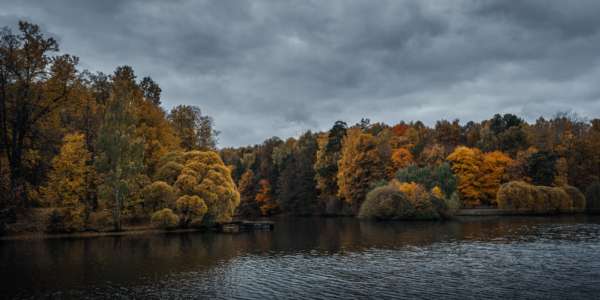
(317, 258)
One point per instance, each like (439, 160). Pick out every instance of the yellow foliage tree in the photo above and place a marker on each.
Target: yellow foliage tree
(67, 180)
(158, 136)
(360, 164)
(205, 175)
(466, 164)
(191, 208)
(493, 167)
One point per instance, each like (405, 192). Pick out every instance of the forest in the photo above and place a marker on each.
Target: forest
(90, 151)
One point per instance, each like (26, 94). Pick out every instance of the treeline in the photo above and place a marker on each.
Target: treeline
(426, 170)
(99, 149)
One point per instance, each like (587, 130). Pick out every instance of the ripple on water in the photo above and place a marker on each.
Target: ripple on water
(539, 260)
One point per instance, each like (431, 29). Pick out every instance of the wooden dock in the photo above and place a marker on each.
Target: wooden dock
(244, 226)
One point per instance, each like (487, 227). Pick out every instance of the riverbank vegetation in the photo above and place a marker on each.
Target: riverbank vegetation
(98, 152)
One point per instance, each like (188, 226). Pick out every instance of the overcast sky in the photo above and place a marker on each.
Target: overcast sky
(265, 68)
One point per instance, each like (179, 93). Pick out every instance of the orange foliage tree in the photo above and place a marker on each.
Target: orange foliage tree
(479, 174)
(265, 199)
(401, 158)
(359, 166)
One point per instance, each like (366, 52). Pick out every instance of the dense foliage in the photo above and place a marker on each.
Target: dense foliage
(523, 197)
(99, 151)
(402, 201)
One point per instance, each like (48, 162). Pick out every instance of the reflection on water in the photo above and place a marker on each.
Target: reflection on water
(525, 257)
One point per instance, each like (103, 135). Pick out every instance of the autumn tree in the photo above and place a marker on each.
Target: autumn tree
(191, 208)
(33, 84)
(493, 167)
(264, 198)
(205, 175)
(401, 158)
(66, 186)
(158, 195)
(155, 132)
(359, 166)
(196, 131)
(466, 163)
(479, 174)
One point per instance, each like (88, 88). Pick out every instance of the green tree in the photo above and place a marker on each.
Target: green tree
(297, 188)
(247, 187)
(541, 167)
(121, 154)
(326, 163)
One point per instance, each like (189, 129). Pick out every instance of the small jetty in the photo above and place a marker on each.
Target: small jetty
(244, 226)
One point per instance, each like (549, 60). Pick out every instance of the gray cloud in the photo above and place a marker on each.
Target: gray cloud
(264, 68)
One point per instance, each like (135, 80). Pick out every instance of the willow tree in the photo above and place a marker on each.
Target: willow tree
(121, 153)
(205, 175)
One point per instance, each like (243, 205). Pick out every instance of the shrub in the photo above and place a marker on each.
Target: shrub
(520, 196)
(386, 203)
(422, 201)
(66, 220)
(190, 208)
(165, 218)
(402, 201)
(101, 220)
(592, 196)
(577, 198)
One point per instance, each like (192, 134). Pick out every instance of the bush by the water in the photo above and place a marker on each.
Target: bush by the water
(386, 203)
(165, 218)
(101, 220)
(577, 198)
(520, 196)
(402, 201)
(592, 196)
(66, 220)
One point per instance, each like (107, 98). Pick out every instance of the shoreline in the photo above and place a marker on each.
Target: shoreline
(92, 234)
(149, 230)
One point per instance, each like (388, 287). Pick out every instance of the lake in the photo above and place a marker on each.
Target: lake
(320, 258)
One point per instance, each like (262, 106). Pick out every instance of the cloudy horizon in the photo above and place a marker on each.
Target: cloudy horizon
(263, 69)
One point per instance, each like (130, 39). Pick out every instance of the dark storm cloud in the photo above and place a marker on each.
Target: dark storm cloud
(263, 68)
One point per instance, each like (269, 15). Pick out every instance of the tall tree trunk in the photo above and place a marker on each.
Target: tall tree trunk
(117, 210)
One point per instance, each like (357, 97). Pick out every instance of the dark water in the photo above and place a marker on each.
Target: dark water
(517, 257)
